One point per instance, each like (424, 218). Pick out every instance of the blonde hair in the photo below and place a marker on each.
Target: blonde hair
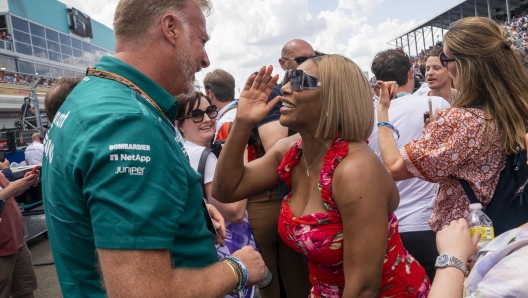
(346, 100)
(134, 18)
(489, 75)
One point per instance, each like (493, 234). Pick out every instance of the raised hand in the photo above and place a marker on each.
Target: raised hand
(252, 105)
(387, 93)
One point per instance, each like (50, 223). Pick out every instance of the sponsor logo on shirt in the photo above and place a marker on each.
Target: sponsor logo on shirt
(132, 171)
(129, 157)
(48, 148)
(140, 147)
(60, 118)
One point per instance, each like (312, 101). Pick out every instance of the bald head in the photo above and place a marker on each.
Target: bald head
(35, 137)
(293, 49)
(296, 46)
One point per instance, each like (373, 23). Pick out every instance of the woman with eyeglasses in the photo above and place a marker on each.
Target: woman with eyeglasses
(196, 120)
(339, 213)
(469, 141)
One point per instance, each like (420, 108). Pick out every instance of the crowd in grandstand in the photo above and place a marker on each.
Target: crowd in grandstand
(22, 79)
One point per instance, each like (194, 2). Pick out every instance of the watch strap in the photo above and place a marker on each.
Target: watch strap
(452, 262)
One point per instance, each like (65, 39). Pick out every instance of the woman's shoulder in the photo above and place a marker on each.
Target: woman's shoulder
(362, 160)
(460, 116)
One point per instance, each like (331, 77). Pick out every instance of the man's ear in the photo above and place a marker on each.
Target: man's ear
(281, 62)
(171, 28)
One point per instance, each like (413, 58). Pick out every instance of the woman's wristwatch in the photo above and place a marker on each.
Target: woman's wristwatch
(446, 260)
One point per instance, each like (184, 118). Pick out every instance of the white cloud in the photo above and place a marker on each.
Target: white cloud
(246, 35)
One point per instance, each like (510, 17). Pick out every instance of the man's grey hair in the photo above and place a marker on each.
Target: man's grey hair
(134, 18)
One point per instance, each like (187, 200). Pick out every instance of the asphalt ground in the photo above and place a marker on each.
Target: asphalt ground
(48, 284)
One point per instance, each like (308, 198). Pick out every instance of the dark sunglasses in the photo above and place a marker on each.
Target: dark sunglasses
(300, 80)
(300, 59)
(444, 60)
(197, 115)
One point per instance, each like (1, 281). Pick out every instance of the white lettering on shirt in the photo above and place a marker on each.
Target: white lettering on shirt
(140, 147)
(132, 171)
(130, 157)
(60, 118)
(48, 148)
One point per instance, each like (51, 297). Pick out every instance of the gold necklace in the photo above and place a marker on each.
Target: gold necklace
(316, 160)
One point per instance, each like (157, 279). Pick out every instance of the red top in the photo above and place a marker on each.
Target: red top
(11, 226)
(319, 237)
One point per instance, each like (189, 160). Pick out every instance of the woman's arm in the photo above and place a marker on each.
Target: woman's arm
(363, 192)
(453, 240)
(233, 181)
(388, 147)
(232, 212)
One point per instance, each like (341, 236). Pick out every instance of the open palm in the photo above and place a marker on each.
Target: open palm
(252, 105)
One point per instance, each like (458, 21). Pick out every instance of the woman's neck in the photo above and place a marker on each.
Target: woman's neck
(313, 146)
(200, 142)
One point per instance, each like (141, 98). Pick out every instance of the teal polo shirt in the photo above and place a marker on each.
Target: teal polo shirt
(115, 176)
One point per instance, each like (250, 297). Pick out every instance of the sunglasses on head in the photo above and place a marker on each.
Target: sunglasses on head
(197, 115)
(299, 59)
(444, 60)
(300, 80)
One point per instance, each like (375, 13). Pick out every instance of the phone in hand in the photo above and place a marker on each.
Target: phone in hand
(2, 156)
(430, 102)
(34, 170)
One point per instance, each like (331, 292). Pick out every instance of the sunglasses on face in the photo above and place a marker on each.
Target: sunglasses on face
(300, 80)
(444, 60)
(300, 59)
(197, 115)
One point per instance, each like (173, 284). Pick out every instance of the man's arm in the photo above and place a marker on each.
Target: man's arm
(270, 133)
(148, 273)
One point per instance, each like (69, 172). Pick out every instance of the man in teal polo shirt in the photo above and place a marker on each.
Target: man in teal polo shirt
(123, 205)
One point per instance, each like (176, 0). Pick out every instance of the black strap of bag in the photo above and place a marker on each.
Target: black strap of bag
(201, 166)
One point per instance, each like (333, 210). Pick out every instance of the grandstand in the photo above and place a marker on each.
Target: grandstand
(431, 32)
(41, 41)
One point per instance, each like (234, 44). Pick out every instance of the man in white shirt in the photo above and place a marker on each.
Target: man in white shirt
(34, 151)
(220, 87)
(437, 77)
(406, 114)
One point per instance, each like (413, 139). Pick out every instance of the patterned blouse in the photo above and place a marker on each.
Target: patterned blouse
(454, 147)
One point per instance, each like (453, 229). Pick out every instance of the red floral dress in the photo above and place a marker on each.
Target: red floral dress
(319, 237)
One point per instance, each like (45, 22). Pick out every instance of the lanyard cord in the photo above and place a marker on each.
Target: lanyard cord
(114, 77)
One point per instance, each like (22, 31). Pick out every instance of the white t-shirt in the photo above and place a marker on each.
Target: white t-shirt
(406, 114)
(226, 114)
(195, 152)
(33, 153)
(423, 90)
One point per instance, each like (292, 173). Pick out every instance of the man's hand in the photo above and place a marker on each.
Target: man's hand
(5, 165)
(252, 105)
(254, 264)
(219, 224)
(455, 240)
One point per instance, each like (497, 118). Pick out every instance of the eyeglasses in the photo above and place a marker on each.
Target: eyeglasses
(300, 80)
(197, 115)
(444, 60)
(299, 59)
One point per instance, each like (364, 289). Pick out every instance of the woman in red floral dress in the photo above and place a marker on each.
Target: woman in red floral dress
(340, 211)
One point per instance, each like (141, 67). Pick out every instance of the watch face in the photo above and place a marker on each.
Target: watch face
(442, 260)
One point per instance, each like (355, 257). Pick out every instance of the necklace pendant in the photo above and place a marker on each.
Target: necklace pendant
(308, 172)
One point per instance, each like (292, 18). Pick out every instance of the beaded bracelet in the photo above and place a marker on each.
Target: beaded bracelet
(380, 124)
(242, 274)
